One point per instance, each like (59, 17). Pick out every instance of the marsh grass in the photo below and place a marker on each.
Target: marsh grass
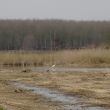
(82, 57)
(1, 108)
(95, 89)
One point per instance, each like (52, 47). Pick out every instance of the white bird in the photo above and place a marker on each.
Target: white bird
(52, 68)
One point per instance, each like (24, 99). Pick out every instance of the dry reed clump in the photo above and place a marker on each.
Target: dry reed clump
(86, 57)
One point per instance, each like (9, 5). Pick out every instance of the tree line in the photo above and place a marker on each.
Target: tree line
(53, 34)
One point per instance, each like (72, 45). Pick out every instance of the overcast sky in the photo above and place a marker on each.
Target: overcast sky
(55, 9)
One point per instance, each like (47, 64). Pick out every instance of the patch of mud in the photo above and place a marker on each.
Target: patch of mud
(66, 101)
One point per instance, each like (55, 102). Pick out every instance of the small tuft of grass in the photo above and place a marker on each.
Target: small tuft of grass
(18, 90)
(1, 108)
(85, 92)
(26, 70)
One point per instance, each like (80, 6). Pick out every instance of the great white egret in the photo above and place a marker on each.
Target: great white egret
(52, 68)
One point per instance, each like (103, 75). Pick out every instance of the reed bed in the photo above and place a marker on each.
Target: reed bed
(81, 57)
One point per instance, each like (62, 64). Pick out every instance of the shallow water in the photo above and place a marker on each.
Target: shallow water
(66, 101)
(65, 69)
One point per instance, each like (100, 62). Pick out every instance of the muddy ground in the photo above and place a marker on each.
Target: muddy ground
(12, 98)
(93, 88)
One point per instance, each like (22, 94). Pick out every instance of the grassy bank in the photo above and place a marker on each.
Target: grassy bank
(83, 57)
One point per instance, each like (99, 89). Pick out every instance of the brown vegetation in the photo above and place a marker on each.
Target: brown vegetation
(94, 87)
(82, 57)
(12, 98)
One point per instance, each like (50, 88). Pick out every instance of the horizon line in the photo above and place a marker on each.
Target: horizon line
(57, 19)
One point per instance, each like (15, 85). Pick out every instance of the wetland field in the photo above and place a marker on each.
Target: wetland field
(18, 90)
(79, 81)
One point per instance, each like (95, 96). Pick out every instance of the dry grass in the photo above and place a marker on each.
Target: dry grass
(1, 108)
(83, 57)
(12, 98)
(94, 86)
